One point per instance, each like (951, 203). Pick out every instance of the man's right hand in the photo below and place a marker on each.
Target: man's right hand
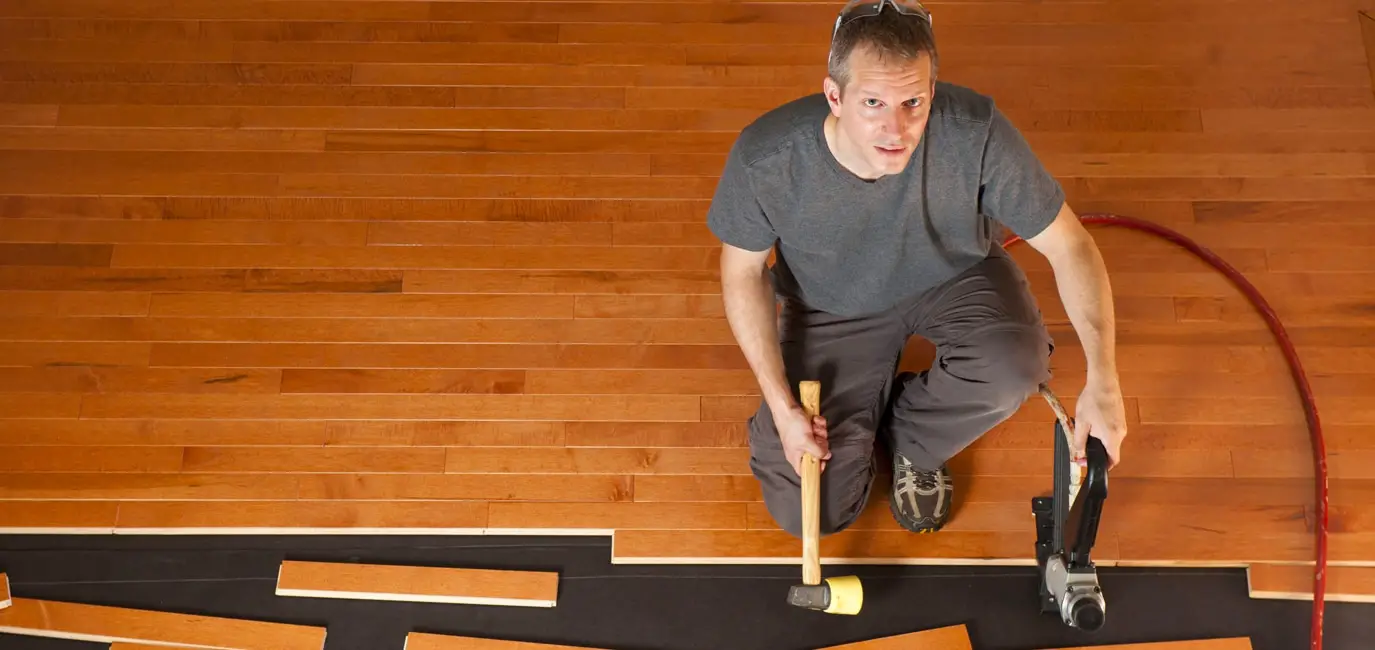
(800, 434)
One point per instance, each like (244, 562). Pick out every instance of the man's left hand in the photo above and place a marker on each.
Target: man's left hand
(1100, 413)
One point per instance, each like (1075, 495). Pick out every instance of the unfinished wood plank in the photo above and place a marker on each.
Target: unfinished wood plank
(953, 637)
(425, 641)
(1222, 643)
(425, 584)
(1295, 582)
(65, 620)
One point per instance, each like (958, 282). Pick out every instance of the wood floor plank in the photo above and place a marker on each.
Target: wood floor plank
(1220, 643)
(555, 518)
(66, 620)
(953, 637)
(568, 488)
(453, 585)
(106, 486)
(451, 356)
(1295, 582)
(442, 517)
(426, 641)
(71, 517)
(866, 547)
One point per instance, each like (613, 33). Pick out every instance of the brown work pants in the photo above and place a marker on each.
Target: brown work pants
(992, 352)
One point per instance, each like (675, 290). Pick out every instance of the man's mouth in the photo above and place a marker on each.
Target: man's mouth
(891, 149)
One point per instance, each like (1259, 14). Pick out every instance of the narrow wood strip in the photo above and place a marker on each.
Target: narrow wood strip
(607, 517)
(90, 458)
(28, 115)
(43, 303)
(55, 254)
(670, 408)
(407, 381)
(452, 585)
(584, 488)
(1281, 212)
(116, 139)
(954, 637)
(89, 379)
(849, 547)
(63, 620)
(450, 356)
(594, 460)
(85, 517)
(134, 354)
(425, 641)
(445, 517)
(1295, 582)
(287, 301)
(323, 208)
(549, 258)
(1221, 643)
(310, 460)
(73, 232)
(106, 486)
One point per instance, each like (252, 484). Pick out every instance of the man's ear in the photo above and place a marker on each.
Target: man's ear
(832, 90)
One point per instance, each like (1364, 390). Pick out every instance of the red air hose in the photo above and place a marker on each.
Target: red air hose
(1296, 369)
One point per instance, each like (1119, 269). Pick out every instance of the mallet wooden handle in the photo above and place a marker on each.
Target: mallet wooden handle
(810, 392)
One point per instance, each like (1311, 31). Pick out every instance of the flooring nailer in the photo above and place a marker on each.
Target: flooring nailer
(1067, 526)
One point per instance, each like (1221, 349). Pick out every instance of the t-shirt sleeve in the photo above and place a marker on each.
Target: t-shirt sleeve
(735, 215)
(1015, 188)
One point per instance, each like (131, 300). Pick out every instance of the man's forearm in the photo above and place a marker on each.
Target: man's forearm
(753, 318)
(1082, 280)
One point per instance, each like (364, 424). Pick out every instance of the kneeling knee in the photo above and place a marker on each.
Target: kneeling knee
(1014, 363)
(841, 503)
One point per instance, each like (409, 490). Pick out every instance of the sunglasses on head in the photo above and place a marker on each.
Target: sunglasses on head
(857, 9)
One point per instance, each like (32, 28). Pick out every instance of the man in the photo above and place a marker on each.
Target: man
(879, 196)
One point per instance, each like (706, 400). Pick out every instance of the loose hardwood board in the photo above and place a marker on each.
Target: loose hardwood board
(954, 637)
(1295, 582)
(1230, 643)
(423, 641)
(418, 584)
(76, 621)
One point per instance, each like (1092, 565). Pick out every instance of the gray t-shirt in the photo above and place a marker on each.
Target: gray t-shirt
(850, 246)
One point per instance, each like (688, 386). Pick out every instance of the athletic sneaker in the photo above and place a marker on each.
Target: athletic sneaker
(920, 501)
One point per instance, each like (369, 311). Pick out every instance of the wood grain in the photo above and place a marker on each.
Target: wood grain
(63, 620)
(444, 268)
(1295, 582)
(426, 641)
(429, 584)
(953, 637)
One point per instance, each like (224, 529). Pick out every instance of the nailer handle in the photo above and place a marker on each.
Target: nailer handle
(810, 394)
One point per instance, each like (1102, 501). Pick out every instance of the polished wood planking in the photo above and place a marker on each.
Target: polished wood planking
(311, 225)
(453, 585)
(1295, 582)
(63, 620)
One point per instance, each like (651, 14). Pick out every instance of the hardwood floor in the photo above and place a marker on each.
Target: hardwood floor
(398, 266)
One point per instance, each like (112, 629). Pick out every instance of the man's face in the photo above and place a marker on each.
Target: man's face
(882, 113)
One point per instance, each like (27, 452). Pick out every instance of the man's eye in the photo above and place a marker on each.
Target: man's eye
(914, 102)
(871, 102)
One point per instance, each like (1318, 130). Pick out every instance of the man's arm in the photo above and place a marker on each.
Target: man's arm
(753, 317)
(1082, 280)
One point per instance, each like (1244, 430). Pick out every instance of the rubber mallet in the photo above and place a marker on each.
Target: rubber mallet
(841, 595)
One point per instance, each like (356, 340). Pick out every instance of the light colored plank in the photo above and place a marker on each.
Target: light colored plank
(65, 620)
(425, 641)
(453, 585)
(954, 637)
(1222, 643)
(1295, 582)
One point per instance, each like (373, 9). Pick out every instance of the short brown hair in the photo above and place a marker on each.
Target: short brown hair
(889, 34)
